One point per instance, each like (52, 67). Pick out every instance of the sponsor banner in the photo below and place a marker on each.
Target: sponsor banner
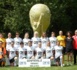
(34, 63)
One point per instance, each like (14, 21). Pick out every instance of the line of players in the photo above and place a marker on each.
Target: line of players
(35, 48)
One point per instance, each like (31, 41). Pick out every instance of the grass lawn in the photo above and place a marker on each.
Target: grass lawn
(74, 67)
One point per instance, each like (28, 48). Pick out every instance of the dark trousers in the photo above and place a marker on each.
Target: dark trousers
(2, 60)
(75, 54)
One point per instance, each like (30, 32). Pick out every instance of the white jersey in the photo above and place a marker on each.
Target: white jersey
(39, 53)
(8, 43)
(17, 42)
(49, 52)
(58, 51)
(25, 41)
(44, 42)
(53, 41)
(12, 52)
(35, 41)
(29, 52)
(21, 52)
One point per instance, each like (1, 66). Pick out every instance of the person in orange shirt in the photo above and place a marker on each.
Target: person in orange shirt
(62, 38)
(2, 39)
(3, 44)
(2, 54)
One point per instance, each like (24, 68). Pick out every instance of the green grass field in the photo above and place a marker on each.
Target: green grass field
(74, 67)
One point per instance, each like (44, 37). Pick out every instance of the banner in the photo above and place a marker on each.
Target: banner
(34, 63)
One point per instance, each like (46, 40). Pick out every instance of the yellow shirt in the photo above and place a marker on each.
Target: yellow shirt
(4, 42)
(62, 40)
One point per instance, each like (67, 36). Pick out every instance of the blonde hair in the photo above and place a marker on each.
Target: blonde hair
(76, 30)
(35, 32)
(26, 34)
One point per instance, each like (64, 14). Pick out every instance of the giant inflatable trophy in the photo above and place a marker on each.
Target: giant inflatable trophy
(39, 18)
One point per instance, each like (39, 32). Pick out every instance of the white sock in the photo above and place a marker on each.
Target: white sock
(51, 62)
(7, 61)
(15, 62)
(61, 61)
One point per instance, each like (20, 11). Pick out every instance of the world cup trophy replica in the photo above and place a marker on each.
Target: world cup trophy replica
(39, 18)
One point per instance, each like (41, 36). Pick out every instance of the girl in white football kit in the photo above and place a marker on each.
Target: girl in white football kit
(17, 41)
(21, 51)
(8, 41)
(58, 54)
(53, 40)
(35, 40)
(38, 51)
(8, 45)
(11, 54)
(44, 40)
(26, 40)
(49, 51)
(30, 52)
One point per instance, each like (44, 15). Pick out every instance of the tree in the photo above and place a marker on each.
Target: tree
(14, 15)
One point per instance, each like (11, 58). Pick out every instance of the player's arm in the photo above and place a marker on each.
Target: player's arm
(17, 53)
(65, 40)
(15, 58)
(32, 57)
(35, 53)
(53, 53)
(8, 53)
(25, 52)
(4, 51)
(44, 53)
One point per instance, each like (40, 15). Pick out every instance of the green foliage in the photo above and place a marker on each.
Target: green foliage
(14, 15)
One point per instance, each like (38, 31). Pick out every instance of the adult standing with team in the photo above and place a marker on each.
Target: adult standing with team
(3, 44)
(61, 38)
(75, 47)
(69, 47)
